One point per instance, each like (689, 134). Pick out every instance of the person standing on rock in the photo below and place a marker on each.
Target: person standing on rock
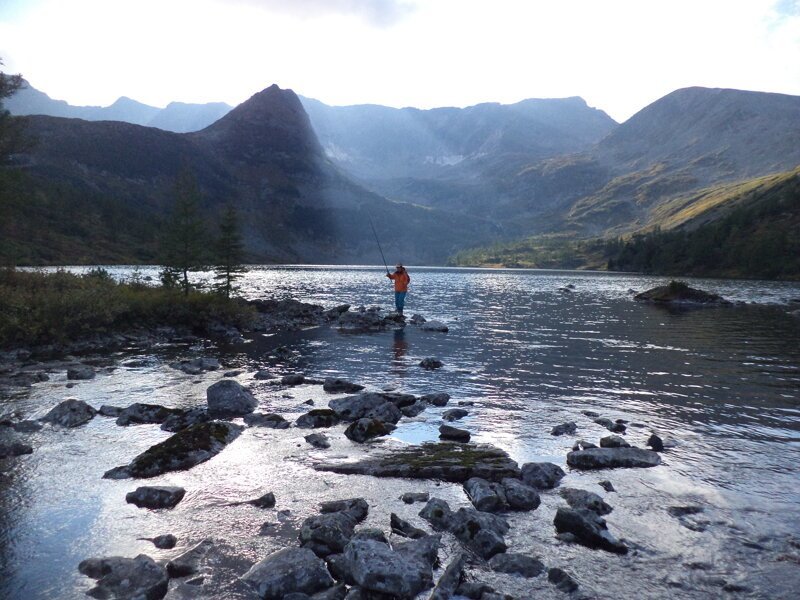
(401, 280)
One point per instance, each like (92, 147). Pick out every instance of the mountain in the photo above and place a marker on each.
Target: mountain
(177, 116)
(105, 177)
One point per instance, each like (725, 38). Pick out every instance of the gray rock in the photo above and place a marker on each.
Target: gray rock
(448, 432)
(13, 448)
(451, 578)
(437, 512)
(318, 440)
(26, 426)
(182, 450)
(227, 398)
(293, 379)
(404, 528)
(386, 412)
(339, 568)
(583, 445)
(656, 443)
(155, 496)
(341, 386)
(431, 363)
(265, 501)
(570, 427)
(613, 441)
(417, 319)
(319, 417)
(434, 326)
(327, 533)
(366, 429)
(678, 292)
(613, 426)
(70, 413)
(356, 508)
(454, 414)
(516, 564)
(81, 372)
(606, 485)
(270, 420)
(562, 580)
(185, 418)
(189, 562)
(486, 495)
(370, 533)
(589, 529)
(542, 476)
(234, 373)
(164, 542)
(143, 414)
(590, 413)
(438, 399)
(411, 497)
(613, 458)
(287, 571)
(264, 375)
(139, 578)
(107, 410)
(352, 408)
(403, 572)
(474, 590)
(414, 409)
(585, 499)
(480, 531)
(520, 496)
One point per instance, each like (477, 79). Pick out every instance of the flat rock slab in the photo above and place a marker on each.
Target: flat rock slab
(155, 496)
(181, 451)
(444, 461)
(613, 458)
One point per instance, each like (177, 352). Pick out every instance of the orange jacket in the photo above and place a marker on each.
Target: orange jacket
(401, 280)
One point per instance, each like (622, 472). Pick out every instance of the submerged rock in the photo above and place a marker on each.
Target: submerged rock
(448, 432)
(341, 386)
(613, 458)
(227, 398)
(564, 428)
(679, 292)
(434, 326)
(542, 476)
(454, 414)
(319, 417)
(126, 578)
(265, 501)
(81, 372)
(264, 375)
(437, 399)
(585, 499)
(288, 571)
(183, 450)
(516, 564)
(431, 363)
(366, 429)
(444, 460)
(589, 529)
(155, 496)
(318, 440)
(141, 414)
(14, 448)
(70, 413)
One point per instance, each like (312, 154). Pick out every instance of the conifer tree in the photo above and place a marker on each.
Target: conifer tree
(229, 253)
(183, 241)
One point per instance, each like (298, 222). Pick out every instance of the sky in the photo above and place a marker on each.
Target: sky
(619, 55)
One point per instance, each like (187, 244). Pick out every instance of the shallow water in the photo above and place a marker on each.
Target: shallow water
(724, 383)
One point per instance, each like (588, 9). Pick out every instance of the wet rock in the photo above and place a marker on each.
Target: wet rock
(9, 449)
(431, 363)
(70, 413)
(318, 440)
(678, 292)
(612, 426)
(475, 590)
(590, 413)
(107, 410)
(589, 529)
(386, 412)
(444, 460)
(341, 386)
(683, 511)
(404, 528)
(366, 429)
(417, 319)
(562, 580)
(183, 450)
(327, 533)
(352, 408)
(264, 375)
(448, 432)
(585, 499)
(339, 568)
(356, 508)
(583, 445)
(414, 409)
(402, 573)
(184, 419)
(656, 443)
(438, 399)
(234, 373)
(196, 366)
(227, 398)
(434, 326)
(270, 420)
(606, 485)
(454, 414)
(542, 476)
(438, 513)
(26, 426)
(155, 496)
(516, 564)
(139, 578)
(142, 414)
(482, 532)
(613, 458)
(486, 495)
(411, 497)
(333, 313)
(363, 321)
(370, 533)
(570, 427)
(189, 562)
(451, 578)
(293, 379)
(81, 372)
(287, 571)
(265, 501)
(319, 417)
(520, 496)
(613, 441)
(164, 542)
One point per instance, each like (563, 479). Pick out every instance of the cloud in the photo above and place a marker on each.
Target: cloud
(380, 13)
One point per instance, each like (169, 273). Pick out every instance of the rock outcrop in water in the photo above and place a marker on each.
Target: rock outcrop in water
(139, 578)
(288, 571)
(679, 292)
(227, 398)
(613, 458)
(70, 413)
(155, 496)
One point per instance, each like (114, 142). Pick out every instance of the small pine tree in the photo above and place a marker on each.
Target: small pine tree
(229, 253)
(183, 241)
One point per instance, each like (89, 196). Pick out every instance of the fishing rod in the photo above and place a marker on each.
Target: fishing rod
(375, 233)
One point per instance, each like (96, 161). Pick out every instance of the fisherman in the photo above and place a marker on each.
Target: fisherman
(401, 281)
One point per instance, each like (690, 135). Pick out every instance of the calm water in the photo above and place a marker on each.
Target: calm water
(723, 383)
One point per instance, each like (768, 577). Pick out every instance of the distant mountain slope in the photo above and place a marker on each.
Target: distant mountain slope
(262, 156)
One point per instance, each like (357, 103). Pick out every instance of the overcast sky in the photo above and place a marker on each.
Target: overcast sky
(619, 55)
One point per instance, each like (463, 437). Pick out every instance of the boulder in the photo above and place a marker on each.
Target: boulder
(565, 428)
(142, 414)
(431, 363)
(270, 420)
(486, 495)
(520, 496)
(318, 440)
(264, 375)
(70, 413)
(139, 578)
(155, 496)
(613, 458)
(81, 372)
(164, 542)
(562, 580)
(585, 499)
(13, 448)
(542, 476)
(227, 398)
(438, 513)
(288, 571)
(355, 508)
(182, 450)
(454, 414)
(656, 443)
(341, 386)
(448, 432)
(482, 532)
(107, 410)
(438, 399)
(613, 441)
(327, 533)
(265, 501)
(404, 528)
(366, 429)
(196, 366)
(319, 417)
(353, 321)
(612, 426)
(679, 292)
(352, 408)
(589, 529)
(189, 562)
(516, 564)
(386, 412)
(185, 418)
(414, 409)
